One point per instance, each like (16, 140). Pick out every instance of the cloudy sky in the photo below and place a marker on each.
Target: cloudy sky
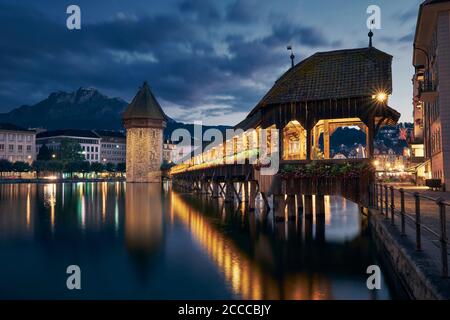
(204, 60)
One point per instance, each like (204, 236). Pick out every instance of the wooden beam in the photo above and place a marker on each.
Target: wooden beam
(326, 139)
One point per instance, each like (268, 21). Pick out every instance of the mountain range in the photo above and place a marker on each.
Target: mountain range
(85, 108)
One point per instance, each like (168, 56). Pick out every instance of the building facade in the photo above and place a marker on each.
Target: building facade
(169, 152)
(144, 121)
(89, 141)
(17, 144)
(390, 161)
(113, 147)
(431, 59)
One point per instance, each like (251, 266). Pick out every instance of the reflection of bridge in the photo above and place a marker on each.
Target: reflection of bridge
(292, 126)
(260, 262)
(246, 277)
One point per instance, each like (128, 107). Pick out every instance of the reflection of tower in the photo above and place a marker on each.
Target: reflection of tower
(143, 222)
(144, 120)
(143, 217)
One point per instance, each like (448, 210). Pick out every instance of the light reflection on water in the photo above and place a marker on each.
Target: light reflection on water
(145, 241)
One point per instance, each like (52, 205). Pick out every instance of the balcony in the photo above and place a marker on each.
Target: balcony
(427, 91)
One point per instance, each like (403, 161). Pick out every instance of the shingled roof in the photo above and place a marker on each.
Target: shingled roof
(333, 75)
(144, 106)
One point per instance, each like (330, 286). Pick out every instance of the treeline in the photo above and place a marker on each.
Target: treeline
(18, 166)
(59, 167)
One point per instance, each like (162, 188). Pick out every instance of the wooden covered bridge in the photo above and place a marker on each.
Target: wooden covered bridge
(289, 131)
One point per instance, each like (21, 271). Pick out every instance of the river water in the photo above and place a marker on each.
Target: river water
(144, 241)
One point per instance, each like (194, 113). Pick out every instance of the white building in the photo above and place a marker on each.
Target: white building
(17, 144)
(89, 141)
(113, 147)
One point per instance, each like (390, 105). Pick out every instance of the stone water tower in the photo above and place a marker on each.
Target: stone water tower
(144, 121)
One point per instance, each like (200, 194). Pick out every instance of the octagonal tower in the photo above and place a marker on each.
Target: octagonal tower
(144, 121)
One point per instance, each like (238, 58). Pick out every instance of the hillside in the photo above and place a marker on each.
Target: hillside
(85, 108)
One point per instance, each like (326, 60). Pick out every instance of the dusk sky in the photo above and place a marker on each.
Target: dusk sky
(204, 60)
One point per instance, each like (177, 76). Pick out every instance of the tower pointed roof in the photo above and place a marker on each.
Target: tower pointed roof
(144, 106)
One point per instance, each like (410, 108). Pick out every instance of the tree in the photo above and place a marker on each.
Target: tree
(39, 166)
(70, 151)
(72, 166)
(121, 167)
(5, 166)
(110, 167)
(54, 166)
(44, 153)
(85, 167)
(97, 167)
(20, 167)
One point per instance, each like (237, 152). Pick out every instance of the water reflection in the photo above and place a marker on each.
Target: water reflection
(16, 211)
(50, 201)
(144, 217)
(260, 260)
(155, 243)
(247, 278)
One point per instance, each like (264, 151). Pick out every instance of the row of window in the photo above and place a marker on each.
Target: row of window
(112, 146)
(113, 159)
(48, 141)
(16, 158)
(92, 156)
(436, 142)
(433, 110)
(11, 148)
(113, 152)
(16, 137)
(90, 149)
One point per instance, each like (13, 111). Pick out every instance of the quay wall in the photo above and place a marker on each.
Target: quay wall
(417, 274)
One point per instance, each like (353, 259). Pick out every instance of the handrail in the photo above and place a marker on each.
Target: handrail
(385, 202)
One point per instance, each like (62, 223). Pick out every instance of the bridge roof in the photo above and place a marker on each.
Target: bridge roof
(333, 75)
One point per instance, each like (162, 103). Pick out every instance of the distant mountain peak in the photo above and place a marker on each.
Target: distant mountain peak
(83, 108)
(85, 94)
(81, 95)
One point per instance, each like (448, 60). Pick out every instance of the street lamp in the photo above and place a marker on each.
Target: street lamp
(380, 96)
(53, 156)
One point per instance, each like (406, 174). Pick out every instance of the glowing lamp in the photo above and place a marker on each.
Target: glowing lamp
(380, 97)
